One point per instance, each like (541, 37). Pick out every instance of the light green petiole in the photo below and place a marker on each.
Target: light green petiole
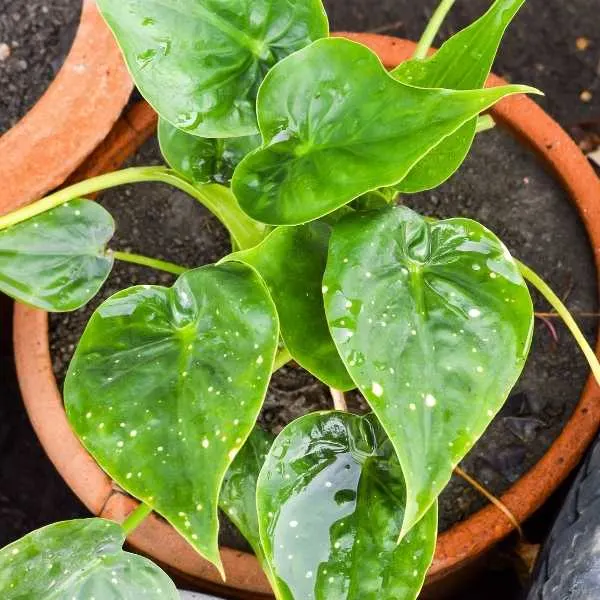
(146, 261)
(432, 28)
(485, 123)
(282, 358)
(135, 519)
(544, 289)
(245, 232)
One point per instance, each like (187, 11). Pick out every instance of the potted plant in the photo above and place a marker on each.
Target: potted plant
(431, 320)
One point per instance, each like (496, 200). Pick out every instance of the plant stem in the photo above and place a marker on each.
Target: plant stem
(134, 520)
(219, 200)
(282, 358)
(146, 261)
(78, 190)
(564, 313)
(485, 123)
(582, 315)
(245, 231)
(484, 492)
(432, 28)
(339, 400)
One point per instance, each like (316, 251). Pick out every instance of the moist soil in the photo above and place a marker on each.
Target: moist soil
(501, 184)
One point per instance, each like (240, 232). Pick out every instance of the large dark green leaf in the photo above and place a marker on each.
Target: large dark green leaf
(166, 385)
(57, 260)
(238, 494)
(434, 323)
(330, 502)
(462, 63)
(203, 160)
(199, 63)
(291, 260)
(79, 560)
(336, 125)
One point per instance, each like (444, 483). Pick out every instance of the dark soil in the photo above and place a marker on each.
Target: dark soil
(34, 40)
(501, 185)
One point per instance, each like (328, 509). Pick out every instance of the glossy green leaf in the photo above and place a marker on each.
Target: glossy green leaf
(199, 64)
(79, 560)
(336, 125)
(330, 502)
(238, 494)
(57, 260)
(166, 384)
(462, 63)
(203, 160)
(291, 261)
(434, 323)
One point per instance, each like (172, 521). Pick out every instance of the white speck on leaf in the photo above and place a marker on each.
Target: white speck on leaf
(377, 389)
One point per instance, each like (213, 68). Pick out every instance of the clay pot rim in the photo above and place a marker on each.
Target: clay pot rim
(75, 113)
(458, 546)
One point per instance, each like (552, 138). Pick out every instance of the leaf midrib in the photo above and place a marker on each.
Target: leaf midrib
(255, 46)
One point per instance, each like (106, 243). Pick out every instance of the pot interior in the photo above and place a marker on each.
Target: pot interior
(502, 185)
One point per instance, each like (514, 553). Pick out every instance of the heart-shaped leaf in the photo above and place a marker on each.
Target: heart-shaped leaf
(199, 64)
(57, 260)
(434, 323)
(166, 384)
(330, 501)
(238, 494)
(291, 260)
(336, 125)
(462, 63)
(79, 560)
(203, 160)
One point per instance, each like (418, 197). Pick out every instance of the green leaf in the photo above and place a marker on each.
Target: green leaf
(79, 560)
(238, 494)
(462, 63)
(434, 323)
(336, 125)
(330, 502)
(199, 64)
(291, 261)
(57, 260)
(166, 385)
(203, 160)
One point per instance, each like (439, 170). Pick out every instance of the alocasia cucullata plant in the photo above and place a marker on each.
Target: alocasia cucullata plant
(299, 143)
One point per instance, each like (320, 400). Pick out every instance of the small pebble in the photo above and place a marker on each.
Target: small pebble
(4, 52)
(582, 43)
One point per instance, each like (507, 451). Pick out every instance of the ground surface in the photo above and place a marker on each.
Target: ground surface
(515, 198)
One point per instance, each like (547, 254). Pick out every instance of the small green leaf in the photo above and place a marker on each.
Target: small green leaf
(57, 260)
(336, 125)
(79, 560)
(330, 502)
(434, 323)
(203, 160)
(238, 494)
(462, 63)
(291, 261)
(166, 384)
(199, 64)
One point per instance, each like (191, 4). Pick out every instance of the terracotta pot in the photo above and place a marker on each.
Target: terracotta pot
(196, 596)
(457, 548)
(73, 116)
